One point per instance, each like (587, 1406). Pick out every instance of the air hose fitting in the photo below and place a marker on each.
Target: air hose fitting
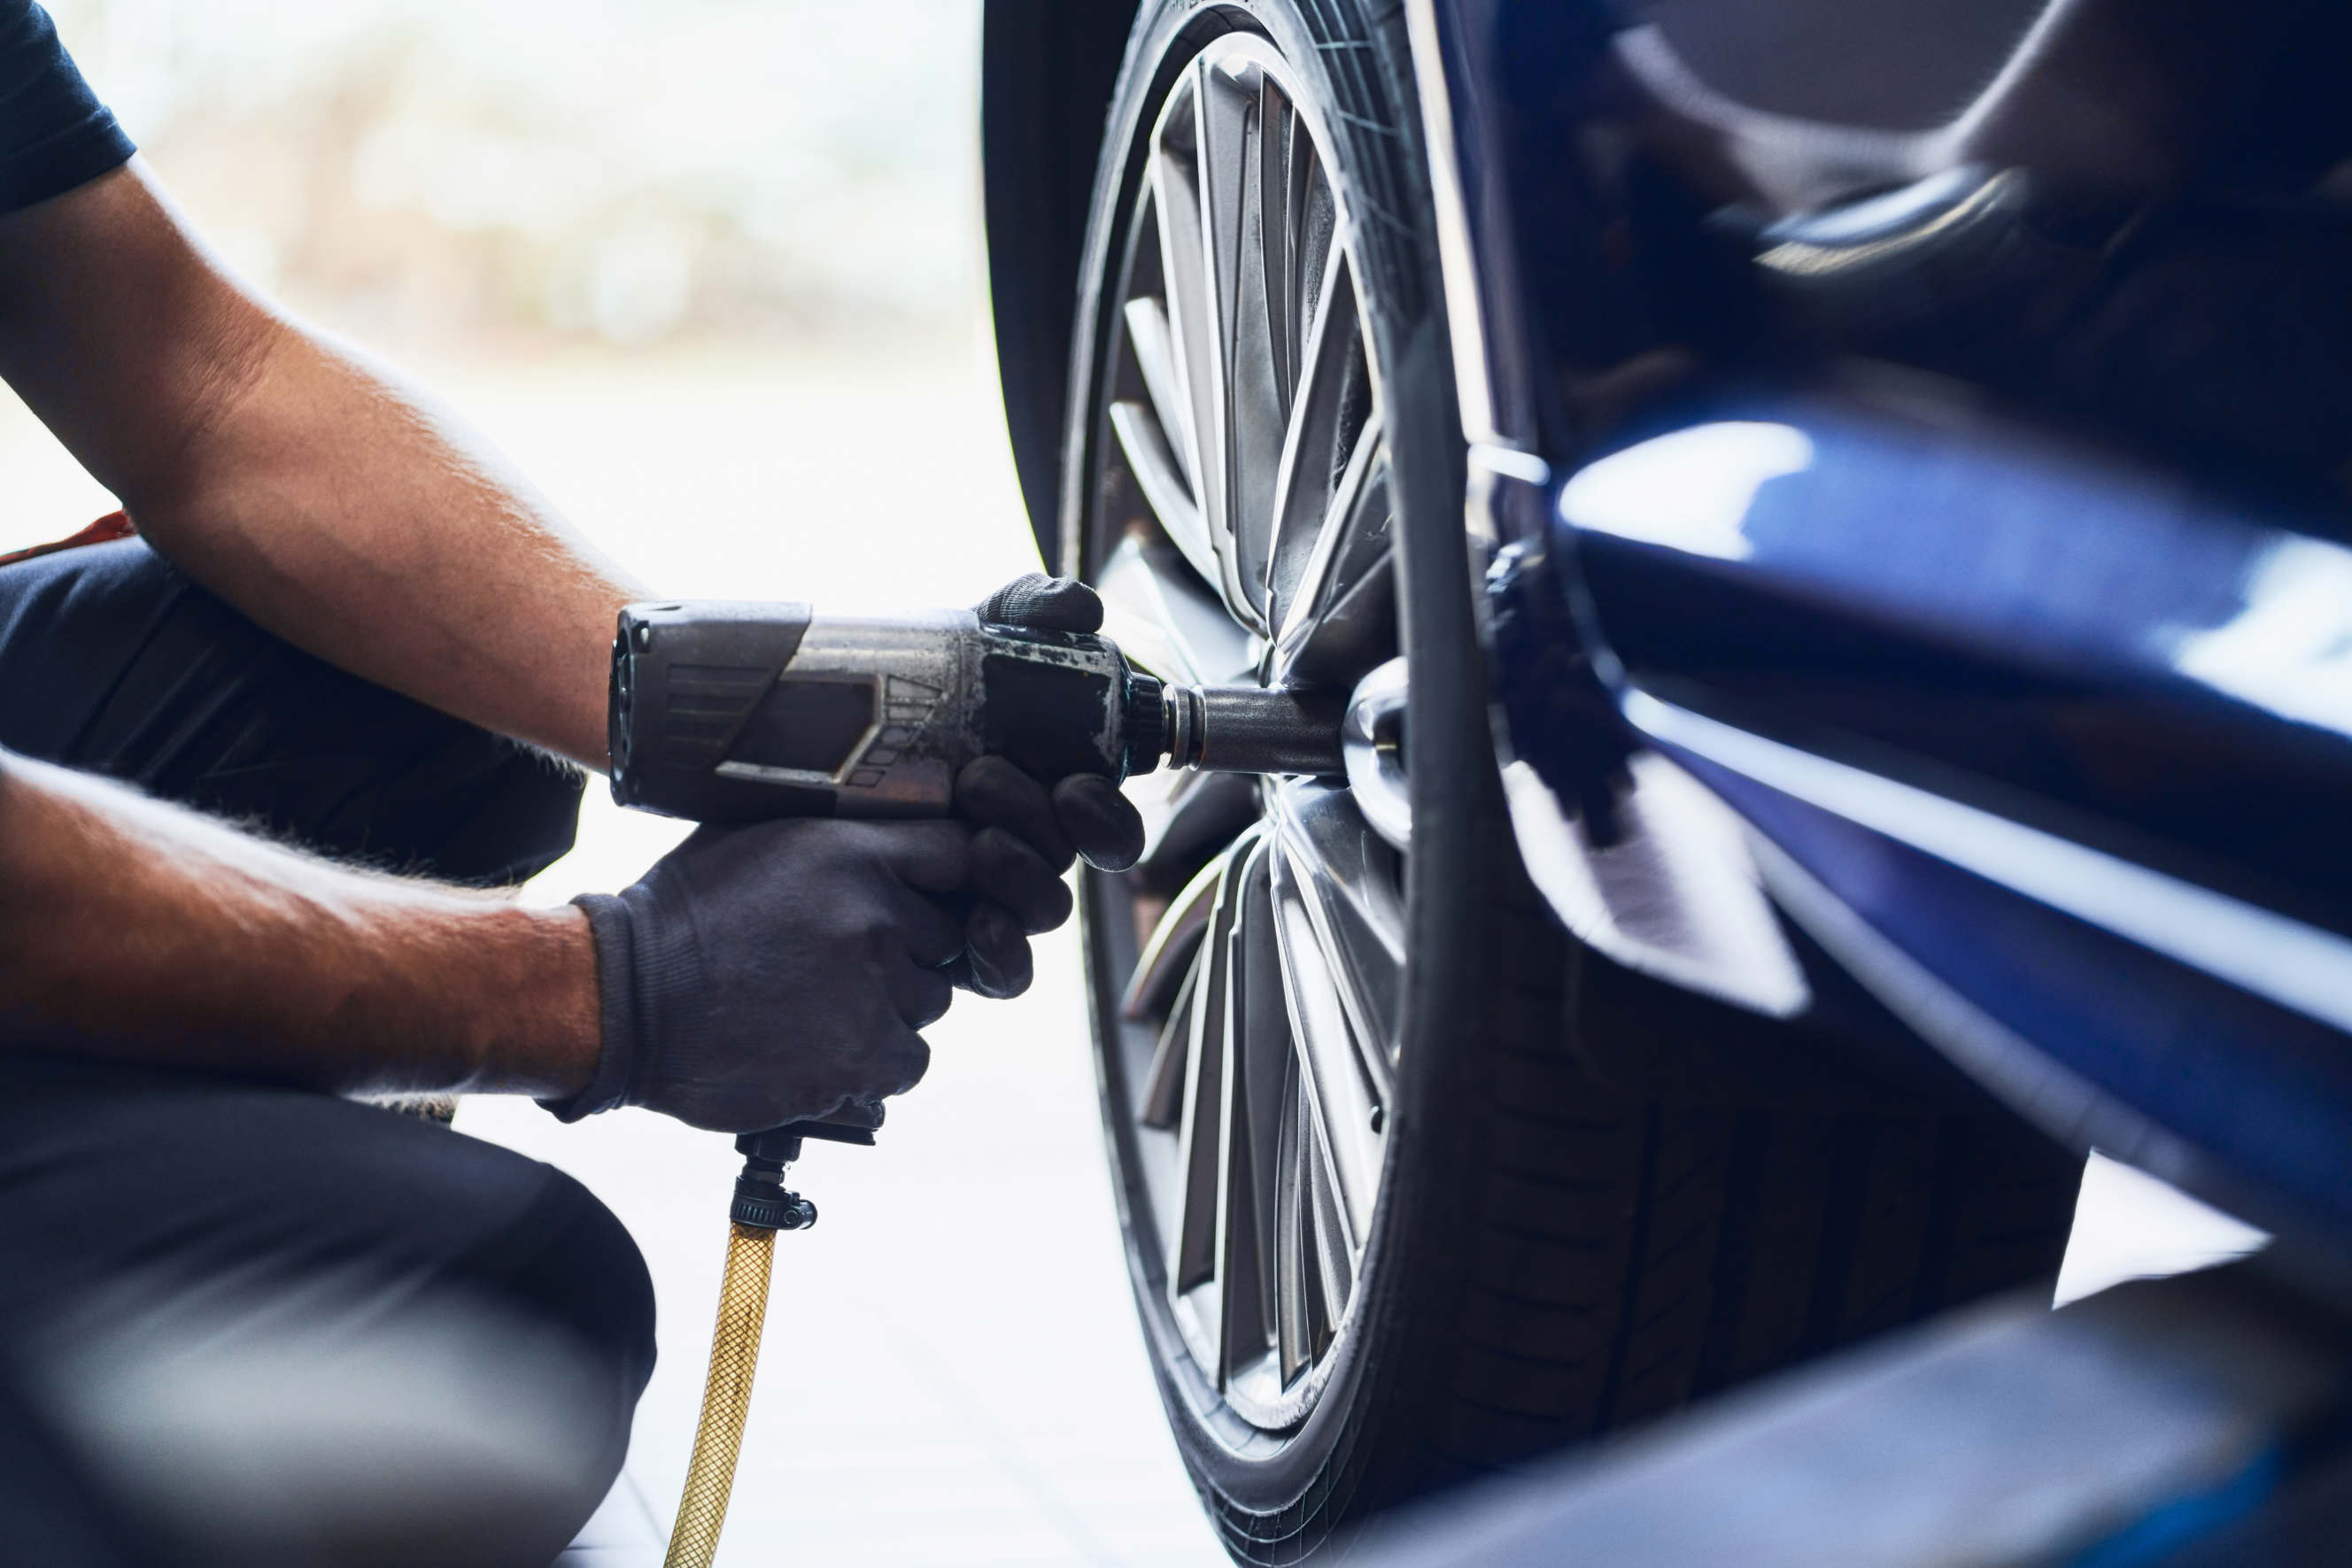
(763, 1206)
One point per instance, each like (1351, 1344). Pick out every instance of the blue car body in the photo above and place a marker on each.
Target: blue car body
(1958, 502)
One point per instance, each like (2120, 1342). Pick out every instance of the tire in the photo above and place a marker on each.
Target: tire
(1391, 1229)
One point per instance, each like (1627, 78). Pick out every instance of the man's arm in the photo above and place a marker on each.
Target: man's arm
(298, 480)
(135, 929)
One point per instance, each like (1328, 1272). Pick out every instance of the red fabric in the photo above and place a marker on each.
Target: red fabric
(113, 526)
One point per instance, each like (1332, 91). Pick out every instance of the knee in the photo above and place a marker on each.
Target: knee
(563, 1276)
(473, 1415)
(344, 1334)
(70, 625)
(561, 1320)
(575, 1271)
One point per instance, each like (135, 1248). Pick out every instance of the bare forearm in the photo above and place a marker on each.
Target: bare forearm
(307, 487)
(345, 512)
(133, 929)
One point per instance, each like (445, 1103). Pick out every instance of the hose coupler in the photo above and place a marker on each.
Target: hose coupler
(762, 1199)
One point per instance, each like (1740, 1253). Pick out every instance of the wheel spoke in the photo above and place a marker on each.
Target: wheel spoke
(1279, 144)
(1320, 1245)
(1163, 618)
(1163, 1105)
(1315, 229)
(1258, 1038)
(1170, 952)
(1337, 1241)
(1341, 871)
(1154, 349)
(1154, 467)
(1317, 435)
(1342, 1089)
(1194, 324)
(1187, 815)
(1249, 412)
(1297, 1286)
(1356, 633)
(1341, 614)
(1219, 325)
(1159, 442)
(1193, 1249)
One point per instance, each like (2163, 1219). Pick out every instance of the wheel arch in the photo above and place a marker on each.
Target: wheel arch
(1046, 75)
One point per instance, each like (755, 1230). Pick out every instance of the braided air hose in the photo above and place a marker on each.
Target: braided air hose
(726, 1396)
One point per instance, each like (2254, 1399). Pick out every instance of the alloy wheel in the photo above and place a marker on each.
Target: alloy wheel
(1243, 532)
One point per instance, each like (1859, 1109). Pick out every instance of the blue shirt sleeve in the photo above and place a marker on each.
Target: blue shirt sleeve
(53, 133)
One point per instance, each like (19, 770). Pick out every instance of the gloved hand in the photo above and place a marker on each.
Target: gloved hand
(1031, 829)
(765, 974)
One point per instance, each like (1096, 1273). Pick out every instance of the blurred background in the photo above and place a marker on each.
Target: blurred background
(711, 270)
(613, 172)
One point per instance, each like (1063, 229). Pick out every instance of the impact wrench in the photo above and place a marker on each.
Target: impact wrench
(737, 712)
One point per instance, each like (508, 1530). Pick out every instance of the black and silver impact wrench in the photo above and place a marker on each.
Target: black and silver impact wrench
(739, 712)
(729, 712)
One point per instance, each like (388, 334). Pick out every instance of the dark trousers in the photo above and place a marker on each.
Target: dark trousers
(276, 1325)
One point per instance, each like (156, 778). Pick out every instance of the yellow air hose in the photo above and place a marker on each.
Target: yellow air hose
(726, 1396)
(762, 1206)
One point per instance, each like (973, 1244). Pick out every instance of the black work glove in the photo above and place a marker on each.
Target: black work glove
(767, 974)
(1032, 828)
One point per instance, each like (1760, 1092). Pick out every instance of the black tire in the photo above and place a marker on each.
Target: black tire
(1581, 1222)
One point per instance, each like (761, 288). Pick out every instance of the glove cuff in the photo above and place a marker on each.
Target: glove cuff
(609, 925)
